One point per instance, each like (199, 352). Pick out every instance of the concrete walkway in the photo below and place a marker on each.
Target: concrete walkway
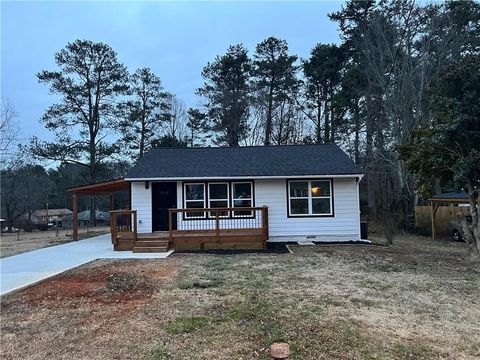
(25, 269)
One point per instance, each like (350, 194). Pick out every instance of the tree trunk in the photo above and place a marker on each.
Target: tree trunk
(356, 145)
(332, 126)
(142, 142)
(326, 112)
(268, 125)
(319, 122)
(368, 166)
(143, 130)
(471, 232)
(92, 181)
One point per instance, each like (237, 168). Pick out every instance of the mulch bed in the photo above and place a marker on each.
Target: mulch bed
(272, 248)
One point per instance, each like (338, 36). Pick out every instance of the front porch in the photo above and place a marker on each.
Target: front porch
(187, 229)
(225, 228)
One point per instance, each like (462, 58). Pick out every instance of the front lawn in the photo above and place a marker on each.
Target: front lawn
(412, 300)
(18, 243)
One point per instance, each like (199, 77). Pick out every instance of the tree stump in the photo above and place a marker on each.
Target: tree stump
(280, 350)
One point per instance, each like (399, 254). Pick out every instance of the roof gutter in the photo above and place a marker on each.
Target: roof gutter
(360, 176)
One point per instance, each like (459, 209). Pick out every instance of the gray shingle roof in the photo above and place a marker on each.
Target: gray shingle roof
(51, 212)
(251, 161)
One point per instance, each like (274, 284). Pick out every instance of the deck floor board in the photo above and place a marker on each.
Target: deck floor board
(231, 239)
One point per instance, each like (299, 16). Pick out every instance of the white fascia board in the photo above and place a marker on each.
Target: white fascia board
(360, 176)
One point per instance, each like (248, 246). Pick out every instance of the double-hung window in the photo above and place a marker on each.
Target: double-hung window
(242, 196)
(310, 198)
(200, 195)
(194, 198)
(218, 197)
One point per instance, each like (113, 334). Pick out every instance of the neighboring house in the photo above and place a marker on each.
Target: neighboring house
(101, 218)
(235, 197)
(49, 216)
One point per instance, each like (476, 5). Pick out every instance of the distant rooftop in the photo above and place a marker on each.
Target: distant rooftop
(52, 212)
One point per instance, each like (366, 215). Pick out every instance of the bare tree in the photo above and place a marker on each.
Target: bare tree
(395, 50)
(175, 124)
(10, 153)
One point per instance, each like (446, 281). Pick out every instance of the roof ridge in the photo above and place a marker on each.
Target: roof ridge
(239, 147)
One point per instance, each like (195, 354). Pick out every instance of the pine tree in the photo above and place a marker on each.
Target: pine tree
(274, 81)
(227, 92)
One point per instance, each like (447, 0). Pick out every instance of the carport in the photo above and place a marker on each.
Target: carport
(105, 188)
(450, 198)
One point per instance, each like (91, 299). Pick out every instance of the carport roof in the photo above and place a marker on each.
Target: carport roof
(101, 188)
(456, 197)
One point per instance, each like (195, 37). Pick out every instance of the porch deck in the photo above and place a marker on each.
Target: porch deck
(220, 232)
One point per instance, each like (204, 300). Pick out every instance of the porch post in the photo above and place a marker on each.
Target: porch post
(170, 225)
(265, 222)
(75, 216)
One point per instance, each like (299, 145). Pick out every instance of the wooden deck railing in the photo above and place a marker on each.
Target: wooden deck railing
(123, 223)
(219, 221)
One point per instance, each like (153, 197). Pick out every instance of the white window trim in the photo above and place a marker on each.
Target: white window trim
(185, 201)
(210, 199)
(309, 198)
(243, 199)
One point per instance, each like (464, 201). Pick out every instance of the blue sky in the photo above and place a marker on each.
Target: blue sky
(174, 39)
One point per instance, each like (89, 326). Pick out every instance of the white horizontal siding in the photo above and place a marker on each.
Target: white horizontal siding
(142, 202)
(344, 225)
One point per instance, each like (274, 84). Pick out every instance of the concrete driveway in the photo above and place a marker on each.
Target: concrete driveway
(25, 269)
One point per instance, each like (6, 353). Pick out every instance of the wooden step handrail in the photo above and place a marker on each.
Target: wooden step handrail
(131, 226)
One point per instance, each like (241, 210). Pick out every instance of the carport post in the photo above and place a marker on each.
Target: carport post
(75, 216)
(434, 210)
(111, 204)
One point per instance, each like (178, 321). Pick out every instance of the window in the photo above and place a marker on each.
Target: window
(310, 197)
(218, 198)
(217, 195)
(194, 198)
(242, 196)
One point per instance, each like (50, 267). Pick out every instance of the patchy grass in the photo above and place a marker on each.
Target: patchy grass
(160, 352)
(18, 243)
(182, 324)
(412, 300)
(363, 302)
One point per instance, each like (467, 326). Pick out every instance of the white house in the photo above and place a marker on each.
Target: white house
(235, 197)
(311, 191)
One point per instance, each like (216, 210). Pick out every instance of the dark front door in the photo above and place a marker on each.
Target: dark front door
(164, 197)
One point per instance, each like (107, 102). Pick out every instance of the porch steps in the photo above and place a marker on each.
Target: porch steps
(153, 244)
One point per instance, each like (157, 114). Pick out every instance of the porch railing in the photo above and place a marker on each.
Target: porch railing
(218, 221)
(123, 223)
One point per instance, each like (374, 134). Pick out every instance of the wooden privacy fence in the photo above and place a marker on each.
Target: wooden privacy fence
(443, 216)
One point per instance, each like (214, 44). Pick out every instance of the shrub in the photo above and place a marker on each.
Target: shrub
(390, 229)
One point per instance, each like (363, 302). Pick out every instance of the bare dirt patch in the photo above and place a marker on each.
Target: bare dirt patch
(412, 300)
